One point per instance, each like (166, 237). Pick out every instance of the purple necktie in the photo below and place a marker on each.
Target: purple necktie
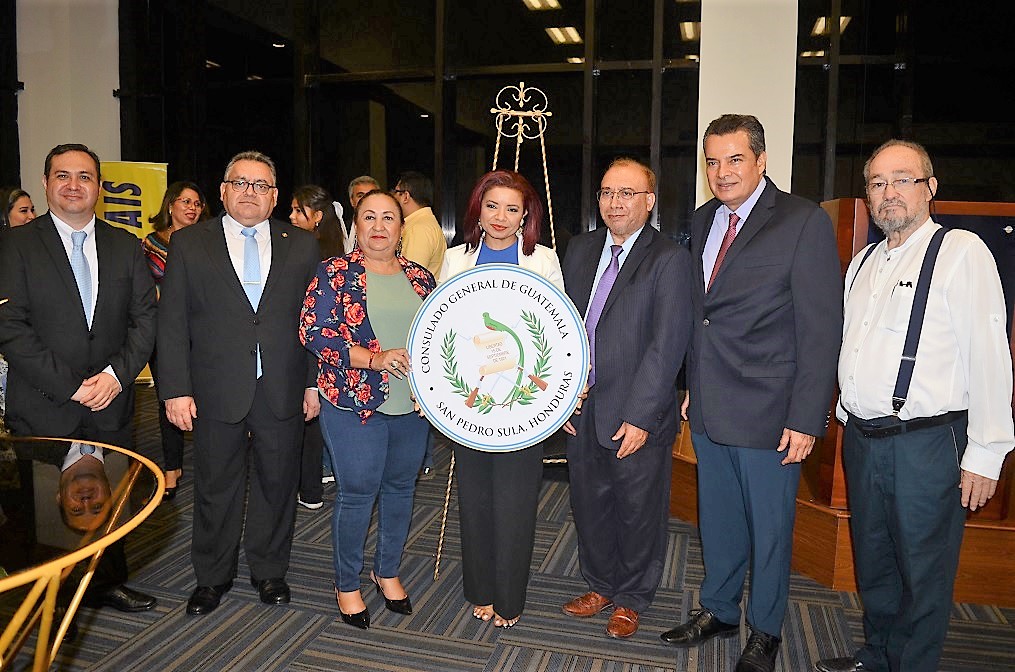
(598, 303)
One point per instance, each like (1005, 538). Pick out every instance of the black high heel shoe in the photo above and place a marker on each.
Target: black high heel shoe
(170, 493)
(360, 620)
(402, 606)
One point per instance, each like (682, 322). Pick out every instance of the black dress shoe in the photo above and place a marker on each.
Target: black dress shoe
(848, 664)
(701, 627)
(205, 599)
(272, 591)
(360, 620)
(123, 598)
(402, 606)
(759, 654)
(169, 494)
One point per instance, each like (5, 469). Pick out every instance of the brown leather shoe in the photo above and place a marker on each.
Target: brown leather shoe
(623, 623)
(589, 604)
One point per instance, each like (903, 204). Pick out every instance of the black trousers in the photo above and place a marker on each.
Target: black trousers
(621, 511)
(907, 523)
(172, 436)
(497, 498)
(265, 450)
(311, 467)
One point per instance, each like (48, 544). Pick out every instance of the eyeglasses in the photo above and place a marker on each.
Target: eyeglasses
(901, 184)
(258, 187)
(400, 191)
(186, 202)
(623, 194)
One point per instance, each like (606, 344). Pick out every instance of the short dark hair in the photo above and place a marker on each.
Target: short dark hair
(509, 179)
(731, 123)
(70, 147)
(251, 155)
(419, 186)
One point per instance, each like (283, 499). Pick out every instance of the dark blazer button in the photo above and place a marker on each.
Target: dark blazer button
(91, 337)
(256, 321)
(253, 353)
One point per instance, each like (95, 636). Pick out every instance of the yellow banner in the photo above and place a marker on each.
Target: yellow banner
(130, 193)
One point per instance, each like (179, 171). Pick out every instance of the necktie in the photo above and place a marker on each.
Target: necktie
(252, 276)
(82, 274)
(598, 303)
(727, 240)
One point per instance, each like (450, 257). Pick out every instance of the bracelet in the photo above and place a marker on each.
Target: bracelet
(370, 364)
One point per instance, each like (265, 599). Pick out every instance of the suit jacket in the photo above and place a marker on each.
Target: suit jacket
(767, 334)
(46, 339)
(208, 332)
(543, 261)
(642, 334)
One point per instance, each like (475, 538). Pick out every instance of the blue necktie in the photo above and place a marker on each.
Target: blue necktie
(598, 303)
(252, 276)
(82, 274)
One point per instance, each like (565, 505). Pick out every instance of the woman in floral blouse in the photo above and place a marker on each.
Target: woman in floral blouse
(375, 439)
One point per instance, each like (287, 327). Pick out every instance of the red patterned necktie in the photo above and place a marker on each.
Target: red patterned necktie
(727, 240)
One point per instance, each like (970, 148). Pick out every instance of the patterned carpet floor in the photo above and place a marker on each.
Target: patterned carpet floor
(442, 636)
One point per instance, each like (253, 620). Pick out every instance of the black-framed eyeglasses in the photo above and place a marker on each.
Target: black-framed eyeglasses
(901, 184)
(623, 194)
(258, 187)
(400, 191)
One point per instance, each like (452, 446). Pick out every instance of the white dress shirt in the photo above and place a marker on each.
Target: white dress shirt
(963, 360)
(92, 258)
(91, 255)
(236, 240)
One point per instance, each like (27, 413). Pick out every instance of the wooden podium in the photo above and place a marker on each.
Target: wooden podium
(822, 548)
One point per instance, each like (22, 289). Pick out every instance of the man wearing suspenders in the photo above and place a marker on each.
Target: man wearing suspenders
(925, 374)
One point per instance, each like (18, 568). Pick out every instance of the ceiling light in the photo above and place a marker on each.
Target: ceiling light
(424, 116)
(254, 78)
(821, 26)
(813, 54)
(577, 60)
(692, 57)
(564, 35)
(690, 31)
(278, 45)
(539, 5)
(211, 64)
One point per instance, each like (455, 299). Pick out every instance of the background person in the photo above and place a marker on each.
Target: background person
(358, 188)
(498, 492)
(16, 207)
(182, 205)
(375, 438)
(313, 210)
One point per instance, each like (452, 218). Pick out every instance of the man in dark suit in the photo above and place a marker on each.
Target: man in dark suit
(232, 370)
(767, 326)
(632, 284)
(78, 328)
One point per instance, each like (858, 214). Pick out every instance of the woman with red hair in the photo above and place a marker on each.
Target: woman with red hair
(498, 492)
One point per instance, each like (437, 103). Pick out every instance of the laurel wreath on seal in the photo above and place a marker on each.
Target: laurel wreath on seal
(520, 394)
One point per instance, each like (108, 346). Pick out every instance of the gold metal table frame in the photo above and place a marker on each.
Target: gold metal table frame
(39, 606)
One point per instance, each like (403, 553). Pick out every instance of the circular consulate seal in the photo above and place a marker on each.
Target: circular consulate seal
(499, 358)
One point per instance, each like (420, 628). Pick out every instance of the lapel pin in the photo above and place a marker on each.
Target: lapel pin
(285, 235)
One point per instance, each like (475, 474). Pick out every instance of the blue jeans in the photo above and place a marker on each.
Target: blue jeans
(377, 461)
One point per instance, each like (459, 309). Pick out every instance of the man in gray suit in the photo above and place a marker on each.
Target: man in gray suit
(767, 302)
(633, 286)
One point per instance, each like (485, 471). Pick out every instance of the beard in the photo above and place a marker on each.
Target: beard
(890, 224)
